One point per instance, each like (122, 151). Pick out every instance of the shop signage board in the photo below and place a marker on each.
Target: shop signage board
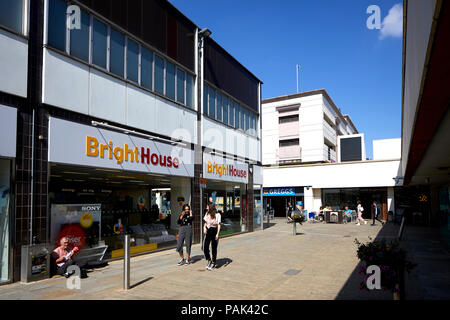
(8, 131)
(77, 144)
(278, 192)
(218, 168)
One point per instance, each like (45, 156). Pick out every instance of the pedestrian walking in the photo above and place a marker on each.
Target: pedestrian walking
(211, 229)
(376, 213)
(289, 210)
(185, 234)
(360, 210)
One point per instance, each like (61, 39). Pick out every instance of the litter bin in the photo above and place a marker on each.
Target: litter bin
(35, 262)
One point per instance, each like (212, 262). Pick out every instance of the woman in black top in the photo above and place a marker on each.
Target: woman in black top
(185, 234)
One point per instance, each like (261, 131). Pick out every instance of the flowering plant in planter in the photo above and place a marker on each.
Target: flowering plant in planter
(389, 257)
(300, 218)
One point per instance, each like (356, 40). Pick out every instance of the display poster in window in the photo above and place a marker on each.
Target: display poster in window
(80, 223)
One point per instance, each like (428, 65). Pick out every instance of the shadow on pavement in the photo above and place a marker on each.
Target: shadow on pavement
(350, 290)
(140, 282)
(223, 262)
(197, 258)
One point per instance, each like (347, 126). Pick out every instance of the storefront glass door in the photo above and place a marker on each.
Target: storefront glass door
(5, 199)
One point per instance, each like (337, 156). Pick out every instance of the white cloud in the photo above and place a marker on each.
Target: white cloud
(392, 25)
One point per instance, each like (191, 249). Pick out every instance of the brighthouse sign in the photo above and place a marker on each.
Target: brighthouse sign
(218, 168)
(78, 144)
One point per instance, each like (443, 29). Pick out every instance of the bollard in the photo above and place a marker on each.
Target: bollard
(126, 262)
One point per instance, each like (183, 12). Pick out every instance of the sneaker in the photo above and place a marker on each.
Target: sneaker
(358, 224)
(208, 265)
(180, 263)
(65, 274)
(211, 266)
(187, 261)
(365, 222)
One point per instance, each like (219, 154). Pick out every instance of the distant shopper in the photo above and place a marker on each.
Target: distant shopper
(211, 229)
(185, 234)
(376, 213)
(360, 210)
(62, 257)
(289, 210)
(347, 215)
(321, 215)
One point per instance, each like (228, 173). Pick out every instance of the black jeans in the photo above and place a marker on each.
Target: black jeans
(62, 269)
(376, 217)
(210, 237)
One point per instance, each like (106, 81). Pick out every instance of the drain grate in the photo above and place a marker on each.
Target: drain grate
(292, 272)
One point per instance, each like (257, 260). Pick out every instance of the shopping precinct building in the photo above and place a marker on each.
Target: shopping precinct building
(314, 156)
(113, 114)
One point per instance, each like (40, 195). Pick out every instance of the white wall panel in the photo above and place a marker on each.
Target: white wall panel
(141, 111)
(8, 131)
(339, 175)
(65, 83)
(13, 64)
(107, 97)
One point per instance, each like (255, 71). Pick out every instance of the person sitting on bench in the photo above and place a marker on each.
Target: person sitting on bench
(62, 256)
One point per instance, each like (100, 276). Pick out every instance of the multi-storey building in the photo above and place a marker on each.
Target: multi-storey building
(113, 114)
(314, 156)
(303, 128)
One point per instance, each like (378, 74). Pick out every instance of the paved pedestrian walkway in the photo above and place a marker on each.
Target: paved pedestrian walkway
(318, 263)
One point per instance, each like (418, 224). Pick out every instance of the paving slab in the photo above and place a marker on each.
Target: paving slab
(253, 266)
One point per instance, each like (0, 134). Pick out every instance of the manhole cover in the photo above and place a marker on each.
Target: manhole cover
(292, 272)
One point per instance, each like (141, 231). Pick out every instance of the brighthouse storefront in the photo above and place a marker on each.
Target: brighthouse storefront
(8, 132)
(105, 183)
(226, 184)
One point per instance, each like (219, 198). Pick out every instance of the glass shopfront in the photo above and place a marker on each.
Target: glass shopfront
(257, 208)
(444, 209)
(97, 207)
(227, 186)
(278, 199)
(230, 200)
(105, 184)
(5, 216)
(338, 199)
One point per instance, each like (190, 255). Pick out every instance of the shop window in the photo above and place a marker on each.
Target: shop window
(190, 91)
(56, 36)
(170, 80)
(159, 74)
(117, 43)
(225, 102)
(132, 60)
(181, 75)
(232, 113)
(11, 14)
(146, 68)
(219, 106)
(79, 39)
(99, 43)
(212, 103)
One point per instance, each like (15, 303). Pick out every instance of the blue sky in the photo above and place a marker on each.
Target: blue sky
(360, 69)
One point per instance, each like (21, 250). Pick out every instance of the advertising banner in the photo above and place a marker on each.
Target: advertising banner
(80, 223)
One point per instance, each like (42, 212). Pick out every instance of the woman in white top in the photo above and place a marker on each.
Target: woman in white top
(360, 210)
(211, 229)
